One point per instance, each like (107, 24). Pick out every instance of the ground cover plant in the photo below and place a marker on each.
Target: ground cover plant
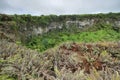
(90, 53)
(69, 61)
(46, 41)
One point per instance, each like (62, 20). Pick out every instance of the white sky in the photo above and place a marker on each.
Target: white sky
(46, 7)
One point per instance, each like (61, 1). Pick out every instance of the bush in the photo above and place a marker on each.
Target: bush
(46, 41)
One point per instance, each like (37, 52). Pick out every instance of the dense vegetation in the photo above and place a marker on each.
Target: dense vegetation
(51, 39)
(45, 20)
(69, 61)
(75, 54)
(16, 24)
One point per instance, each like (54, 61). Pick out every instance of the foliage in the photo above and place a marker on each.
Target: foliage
(6, 77)
(65, 62)
(46, 41)
(22, 26)
(45, 20)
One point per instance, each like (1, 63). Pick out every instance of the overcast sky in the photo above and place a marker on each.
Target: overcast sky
(46, 7)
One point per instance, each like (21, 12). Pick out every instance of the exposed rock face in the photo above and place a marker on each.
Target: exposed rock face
(38, 30)
(53, 25)
(117, 23)
(68, 24)
(26, 29)
(80, 24)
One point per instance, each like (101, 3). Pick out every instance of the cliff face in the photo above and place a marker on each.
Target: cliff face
(23, 26)
(77, 23)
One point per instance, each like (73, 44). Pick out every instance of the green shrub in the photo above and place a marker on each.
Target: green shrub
(6, 77)
(46, 41)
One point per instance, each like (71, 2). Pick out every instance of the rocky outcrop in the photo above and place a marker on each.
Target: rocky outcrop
(22, 27)
(54, 25)
(68, 24)
(79, 24)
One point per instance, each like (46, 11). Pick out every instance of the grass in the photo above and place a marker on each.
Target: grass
(46, 41)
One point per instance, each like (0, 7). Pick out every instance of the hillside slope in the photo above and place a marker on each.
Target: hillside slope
(69, 61)
(64, 47)
(25, 26)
